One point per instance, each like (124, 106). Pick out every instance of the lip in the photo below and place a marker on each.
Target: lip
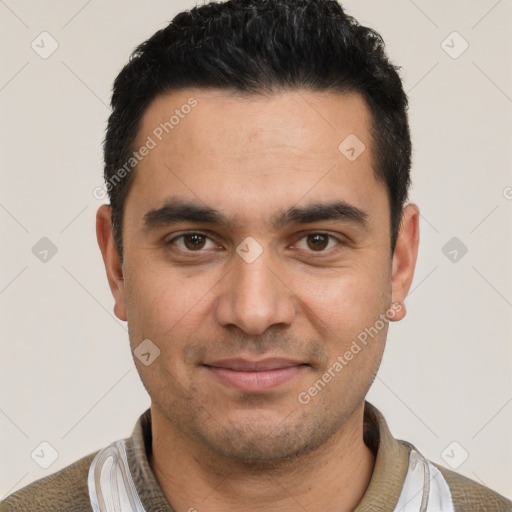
(255, 376)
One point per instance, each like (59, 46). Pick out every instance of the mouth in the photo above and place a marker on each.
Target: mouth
(251, 376)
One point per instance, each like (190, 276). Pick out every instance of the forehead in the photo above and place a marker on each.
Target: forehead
(248, 154)
(293, 120)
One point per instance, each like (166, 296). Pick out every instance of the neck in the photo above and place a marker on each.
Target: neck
(332, 478)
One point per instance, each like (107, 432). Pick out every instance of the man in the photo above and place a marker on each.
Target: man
(258, 243)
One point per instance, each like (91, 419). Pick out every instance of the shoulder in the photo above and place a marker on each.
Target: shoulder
(63, 491)
(470, 495)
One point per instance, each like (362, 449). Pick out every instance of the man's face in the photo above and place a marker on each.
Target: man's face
(246, 326)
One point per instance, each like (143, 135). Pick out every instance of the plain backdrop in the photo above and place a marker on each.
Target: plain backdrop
(67, 377)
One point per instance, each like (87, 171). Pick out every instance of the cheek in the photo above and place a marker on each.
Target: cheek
(164, 304)
(166, 308)
(347, 300)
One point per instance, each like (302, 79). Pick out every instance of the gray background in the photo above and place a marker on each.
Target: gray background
(67, 377)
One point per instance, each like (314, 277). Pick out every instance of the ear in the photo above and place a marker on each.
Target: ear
(404, 258)
(111, 259)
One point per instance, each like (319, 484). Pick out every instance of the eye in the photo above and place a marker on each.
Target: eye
(318, 242)
(192, 242)
(313, 242)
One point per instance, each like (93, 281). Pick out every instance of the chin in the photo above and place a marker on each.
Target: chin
(262, 440)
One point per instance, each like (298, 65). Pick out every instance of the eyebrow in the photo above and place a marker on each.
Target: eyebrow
(178, 210)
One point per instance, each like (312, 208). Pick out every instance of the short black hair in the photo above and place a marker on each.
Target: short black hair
(259, 47)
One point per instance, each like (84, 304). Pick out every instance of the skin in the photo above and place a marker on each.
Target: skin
(215, 447)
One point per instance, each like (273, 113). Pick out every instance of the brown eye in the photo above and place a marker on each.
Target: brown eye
(321, 243)
(318, 242)
(194, 241)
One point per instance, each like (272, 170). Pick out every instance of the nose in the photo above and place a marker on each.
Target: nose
(254, 297)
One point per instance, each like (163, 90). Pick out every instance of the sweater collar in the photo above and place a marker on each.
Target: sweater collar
(383, 492)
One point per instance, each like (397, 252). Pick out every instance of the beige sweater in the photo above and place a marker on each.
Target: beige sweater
(67, 490)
